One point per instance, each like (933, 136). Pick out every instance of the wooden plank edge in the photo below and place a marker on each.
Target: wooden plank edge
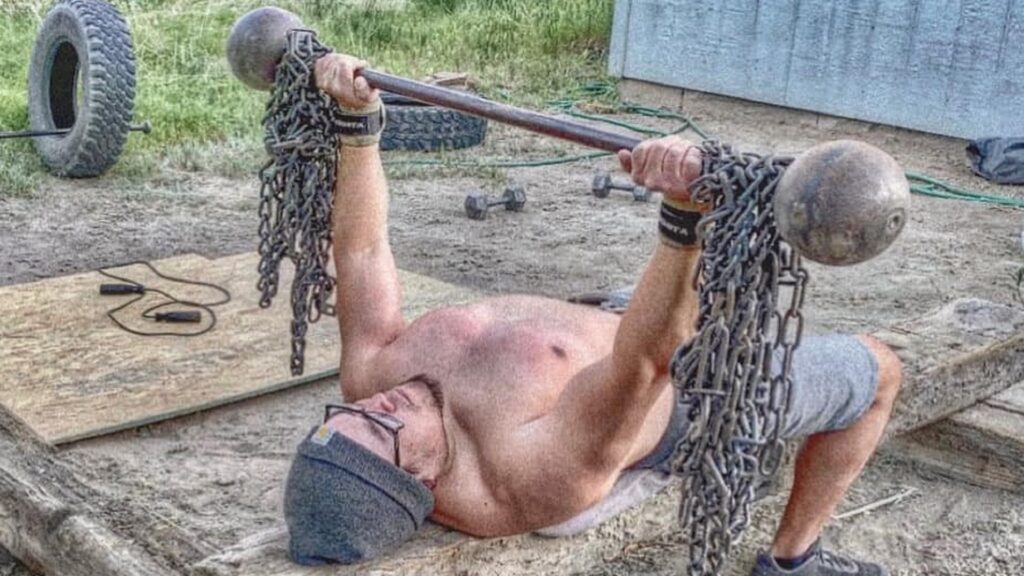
(982, 446)
(968, 380)
(196, 409)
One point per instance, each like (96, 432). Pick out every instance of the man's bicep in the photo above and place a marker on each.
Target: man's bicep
(370, 318)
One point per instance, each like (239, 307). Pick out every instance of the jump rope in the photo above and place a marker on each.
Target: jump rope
(185, 312)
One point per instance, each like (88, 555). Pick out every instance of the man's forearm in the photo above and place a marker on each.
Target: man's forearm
(662, 315)
(360, 201)
(369, 295)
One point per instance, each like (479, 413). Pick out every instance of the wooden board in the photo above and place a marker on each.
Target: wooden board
(982, 445)
(961, 349)
(71, 374)
(438, 550)
(954, 357)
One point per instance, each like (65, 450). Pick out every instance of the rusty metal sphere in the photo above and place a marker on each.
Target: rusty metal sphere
(842, 202)
(256, 43)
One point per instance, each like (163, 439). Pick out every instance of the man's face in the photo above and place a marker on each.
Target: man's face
(414, 405)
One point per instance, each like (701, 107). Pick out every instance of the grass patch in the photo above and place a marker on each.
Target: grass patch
(521, 51)
(20, 169)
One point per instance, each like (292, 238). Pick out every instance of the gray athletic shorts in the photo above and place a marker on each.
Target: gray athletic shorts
(834, 383)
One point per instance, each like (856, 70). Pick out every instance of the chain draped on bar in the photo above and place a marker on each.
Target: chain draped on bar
(296, 193)
(734, 401)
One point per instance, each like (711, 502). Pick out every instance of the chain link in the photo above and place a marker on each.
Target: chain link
(724, 375)
(296, 192)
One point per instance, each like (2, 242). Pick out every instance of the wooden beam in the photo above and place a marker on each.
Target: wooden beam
(45, 519)
(954, 357)
(982, 445)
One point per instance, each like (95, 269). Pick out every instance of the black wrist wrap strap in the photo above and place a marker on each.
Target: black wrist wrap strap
(678, 227)
(349, 124)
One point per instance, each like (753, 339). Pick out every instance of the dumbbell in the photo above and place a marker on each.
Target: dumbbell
(603, 184)
(477, 204)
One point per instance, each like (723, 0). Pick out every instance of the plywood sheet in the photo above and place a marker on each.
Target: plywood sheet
(71, 374)
(438, 550)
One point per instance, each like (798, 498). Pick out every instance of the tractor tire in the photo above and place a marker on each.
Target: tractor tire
(413, 125)
(81, 77)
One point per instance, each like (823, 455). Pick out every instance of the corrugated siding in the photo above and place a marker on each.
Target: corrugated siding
(952, 67)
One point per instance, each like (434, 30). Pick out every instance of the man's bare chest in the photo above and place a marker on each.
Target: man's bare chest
(504, 360)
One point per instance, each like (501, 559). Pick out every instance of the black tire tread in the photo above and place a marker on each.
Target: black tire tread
(430, 128)
(111, 78)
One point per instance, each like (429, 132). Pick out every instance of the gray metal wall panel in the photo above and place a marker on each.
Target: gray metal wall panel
(619, 39)
(953, 67)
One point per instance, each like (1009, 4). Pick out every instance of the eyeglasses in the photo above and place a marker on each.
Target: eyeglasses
(382, 419)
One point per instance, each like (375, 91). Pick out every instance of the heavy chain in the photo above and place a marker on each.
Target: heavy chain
(297, 184)
(734, 398)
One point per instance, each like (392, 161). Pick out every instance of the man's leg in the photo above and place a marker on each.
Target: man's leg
(829, 462)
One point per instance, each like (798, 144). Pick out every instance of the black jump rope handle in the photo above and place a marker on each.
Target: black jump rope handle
(117, 289)
(179, 316)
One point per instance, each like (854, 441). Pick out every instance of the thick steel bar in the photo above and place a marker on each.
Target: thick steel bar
(470, 104)
(33, 133)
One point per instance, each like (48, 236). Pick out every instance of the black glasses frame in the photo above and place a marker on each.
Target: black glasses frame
(382, 419)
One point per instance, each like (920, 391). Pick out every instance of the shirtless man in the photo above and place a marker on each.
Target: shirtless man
(517, 413)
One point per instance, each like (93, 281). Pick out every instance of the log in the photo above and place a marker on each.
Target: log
(982, 445)
(45, 519)
(953, 358)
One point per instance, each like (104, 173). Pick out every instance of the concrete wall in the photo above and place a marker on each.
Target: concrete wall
(953, 67)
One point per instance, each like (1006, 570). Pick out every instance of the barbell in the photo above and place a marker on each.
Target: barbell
(838, 203)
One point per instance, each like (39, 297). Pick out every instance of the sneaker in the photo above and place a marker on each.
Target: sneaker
(821, 563)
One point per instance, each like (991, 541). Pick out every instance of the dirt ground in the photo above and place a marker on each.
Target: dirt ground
(218, 475)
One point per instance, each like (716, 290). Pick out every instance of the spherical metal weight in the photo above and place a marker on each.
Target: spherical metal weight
(514, 198)
(842, 202)
(256, 43)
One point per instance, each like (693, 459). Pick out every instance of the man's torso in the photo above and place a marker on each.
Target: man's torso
(502, 364)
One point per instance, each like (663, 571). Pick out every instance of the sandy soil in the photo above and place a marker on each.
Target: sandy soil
(218, 475)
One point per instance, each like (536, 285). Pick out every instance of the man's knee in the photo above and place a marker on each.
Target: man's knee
(890, 369)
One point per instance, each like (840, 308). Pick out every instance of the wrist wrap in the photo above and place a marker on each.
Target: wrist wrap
(678, 227)
(360, 127)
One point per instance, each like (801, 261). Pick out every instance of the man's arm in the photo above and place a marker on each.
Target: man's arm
(369, 300)
(603, 409)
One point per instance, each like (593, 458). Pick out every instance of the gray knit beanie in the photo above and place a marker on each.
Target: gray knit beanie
(345, 504)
